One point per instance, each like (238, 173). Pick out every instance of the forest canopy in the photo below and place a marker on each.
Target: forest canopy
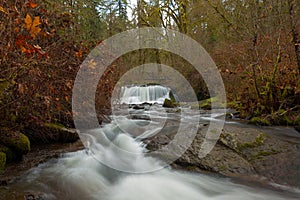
(255, 43)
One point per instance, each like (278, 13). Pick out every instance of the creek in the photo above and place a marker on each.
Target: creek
(104, 172)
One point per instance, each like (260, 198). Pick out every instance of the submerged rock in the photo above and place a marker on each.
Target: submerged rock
(33, 196)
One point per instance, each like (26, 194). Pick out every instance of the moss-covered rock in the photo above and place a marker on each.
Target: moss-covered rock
(259, 141)
(206, 104)
(15, 140)
(168, 104)
(2, 161)
(50, 133)
(260, 121)
(172, 97)
(10, 155)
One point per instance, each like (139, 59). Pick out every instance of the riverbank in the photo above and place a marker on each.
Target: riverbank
(38, 154)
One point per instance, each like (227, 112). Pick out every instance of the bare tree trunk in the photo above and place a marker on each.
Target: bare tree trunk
(294, 18)
(140, 24)
(255, 38)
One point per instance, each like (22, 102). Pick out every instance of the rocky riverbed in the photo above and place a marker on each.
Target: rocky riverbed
(266, 155)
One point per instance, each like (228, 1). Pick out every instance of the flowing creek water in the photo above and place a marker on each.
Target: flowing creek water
(80, 175)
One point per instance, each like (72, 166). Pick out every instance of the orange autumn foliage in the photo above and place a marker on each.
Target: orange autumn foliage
(32, 25)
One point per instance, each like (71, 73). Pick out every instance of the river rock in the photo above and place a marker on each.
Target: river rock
(272, 156)
(221, 159)
(47, 133)
(297, 128)
(33, 196)
(13, 145)
(168, 104)
(16, 141)
(243, 151)
(10, 155)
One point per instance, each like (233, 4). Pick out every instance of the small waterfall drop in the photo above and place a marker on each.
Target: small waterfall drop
(144, 94)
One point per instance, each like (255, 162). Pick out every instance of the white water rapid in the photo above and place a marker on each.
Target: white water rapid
(79, 176)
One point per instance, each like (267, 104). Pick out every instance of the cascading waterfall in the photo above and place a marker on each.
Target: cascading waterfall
(80, 175)
(144, 94)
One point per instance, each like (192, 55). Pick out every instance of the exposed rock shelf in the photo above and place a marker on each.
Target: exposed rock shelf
(244, 151)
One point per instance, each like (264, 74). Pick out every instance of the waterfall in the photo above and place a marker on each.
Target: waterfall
(144, 94)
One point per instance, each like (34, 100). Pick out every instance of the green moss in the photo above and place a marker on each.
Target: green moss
(246, 145)
(2, 161)
(168, 104)
(234, 104)
(22, 143)
(10, 155)
(206, 104)
(223, 168)
(17, 141)
(52, 125)
(260, 121)
(259, 141)
(172, 97)
(262, 154)
(178, 111)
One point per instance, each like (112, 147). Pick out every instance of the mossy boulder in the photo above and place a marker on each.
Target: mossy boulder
(10, 155)
(48, 133)
(2, 161)
(16, 141)
(168, 104)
